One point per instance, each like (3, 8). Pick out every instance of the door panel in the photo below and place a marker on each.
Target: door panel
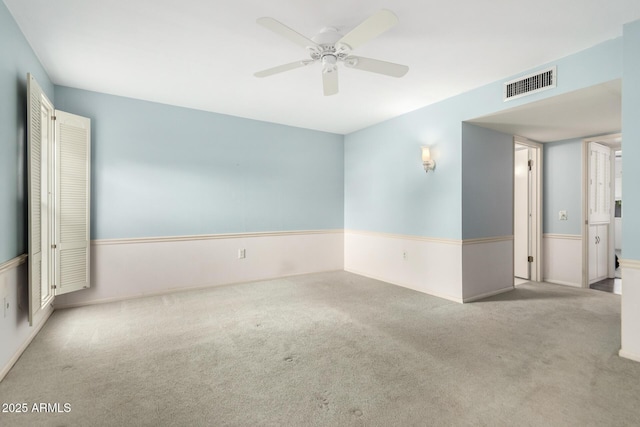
(521, 214)
(72, 201)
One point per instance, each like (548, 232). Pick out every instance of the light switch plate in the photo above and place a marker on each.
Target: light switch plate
(562, 215)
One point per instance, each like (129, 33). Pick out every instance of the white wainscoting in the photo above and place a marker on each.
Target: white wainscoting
(15, 332)
(432, 266)
(129, 268)
(630, 307)
(487, 267)
(457, 270)
(562, 259)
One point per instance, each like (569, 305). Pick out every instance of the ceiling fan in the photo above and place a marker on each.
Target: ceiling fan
(330, 47)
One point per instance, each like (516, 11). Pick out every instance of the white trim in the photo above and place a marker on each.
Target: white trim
(43, 319)
(483, 240)
(405, 237)
(630, 263)
(169, 291)
(608, 139)
(405, 285)
(562, 236)
(13, 263)
(629, 355)
(488, 294)
(187, 238)
(458, 242)
(563, 283)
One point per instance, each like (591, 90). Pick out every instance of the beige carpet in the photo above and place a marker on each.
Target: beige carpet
(331, 349)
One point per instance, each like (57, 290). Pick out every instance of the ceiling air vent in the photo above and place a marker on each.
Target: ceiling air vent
(532, 83)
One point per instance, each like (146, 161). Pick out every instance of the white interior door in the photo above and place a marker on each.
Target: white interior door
(522, 216)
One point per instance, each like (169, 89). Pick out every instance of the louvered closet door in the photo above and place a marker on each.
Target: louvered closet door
(599, 184)
(34, 177)
(73, 154)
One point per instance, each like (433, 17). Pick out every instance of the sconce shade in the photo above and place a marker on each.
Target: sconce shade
(426, 154)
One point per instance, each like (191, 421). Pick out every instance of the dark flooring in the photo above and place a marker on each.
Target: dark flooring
(608, 285)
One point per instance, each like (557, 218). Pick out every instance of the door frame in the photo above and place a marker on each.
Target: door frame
(613, 141)
(536, 208)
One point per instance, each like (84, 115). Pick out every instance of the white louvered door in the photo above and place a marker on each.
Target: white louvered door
(58, 172)
(72, 161)
(34, 183)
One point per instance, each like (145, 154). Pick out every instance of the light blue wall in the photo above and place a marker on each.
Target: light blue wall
(562, 186)
(160, 170)
(16, 60)
(631, 142)
(487, 183)
(385, 187)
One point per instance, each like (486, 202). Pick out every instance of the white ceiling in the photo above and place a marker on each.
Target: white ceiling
(203, 53)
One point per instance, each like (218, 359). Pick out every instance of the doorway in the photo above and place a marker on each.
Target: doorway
(602, 210)
(527, 216)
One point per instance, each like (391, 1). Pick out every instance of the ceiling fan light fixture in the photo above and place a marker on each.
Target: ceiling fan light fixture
(329, 63)
(330, 47)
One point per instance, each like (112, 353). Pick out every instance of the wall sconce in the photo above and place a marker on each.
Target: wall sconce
(428, 164)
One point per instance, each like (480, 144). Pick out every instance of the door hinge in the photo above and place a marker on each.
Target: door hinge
(54, 246)
(54, 287)
(530, 163)
(54, 118)
(530, 258)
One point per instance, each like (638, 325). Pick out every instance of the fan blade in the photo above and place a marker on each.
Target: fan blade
(279, 28)
(371, 28)
(283, 68)
(376, 66)
(330, 82)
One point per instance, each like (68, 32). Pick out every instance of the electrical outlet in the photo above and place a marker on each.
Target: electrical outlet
(562, 215)
(405, 255)
(242, 253)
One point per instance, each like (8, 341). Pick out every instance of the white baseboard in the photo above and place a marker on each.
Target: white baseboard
(168, 291)
(629, 355)
(132, 268)
(405, 285)
(489, 294)
(431, 266)
(15, 332)
(44, 316)
(563, 283)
